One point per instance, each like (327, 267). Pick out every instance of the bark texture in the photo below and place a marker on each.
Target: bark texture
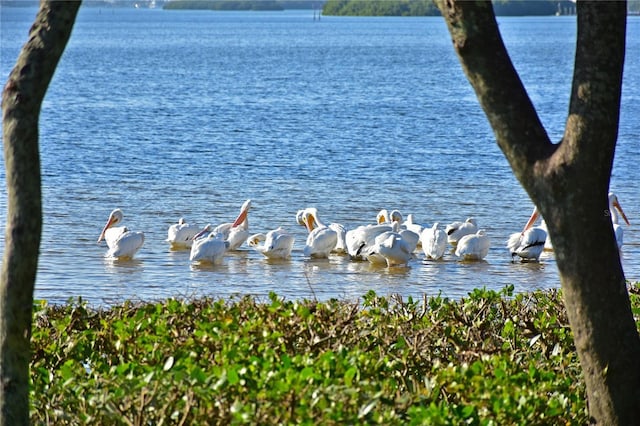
(21, 102)
(569, 182)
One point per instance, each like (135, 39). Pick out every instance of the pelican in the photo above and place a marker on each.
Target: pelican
(528, 244)
(122, 243)
(456, 230)
(434, 242)
(180, 235)
(360, 239)
(209, 249)
(321, 240)
(276, 244)
(236, 232)
(391, 248)
(543, 225)
(310, 216)
(473, 247)
(613, 206)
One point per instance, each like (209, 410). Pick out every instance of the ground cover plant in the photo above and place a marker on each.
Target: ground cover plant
(489, 358)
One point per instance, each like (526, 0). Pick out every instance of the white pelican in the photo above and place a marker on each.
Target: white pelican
(310, 216)
(276, 244)
(360, 239)
(543, 225)
(434, 242)
(209, 249)
(473, 246)
(122, 243)
(236, 232)
(613, 206)
(456, 230)
(391, 248)
(180, 235)
(321, 240)
(528, 244)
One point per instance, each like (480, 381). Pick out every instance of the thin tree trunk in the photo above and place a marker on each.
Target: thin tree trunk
(21, 102)
(569, 183)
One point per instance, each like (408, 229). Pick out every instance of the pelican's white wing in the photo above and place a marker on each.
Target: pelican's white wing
(360, 239)
(457, 230)
(181, 234)
(473, 246)
(527, 245)
(392, 249)
(277, 244)
(434, 242)
(210, 249)
(320, 242)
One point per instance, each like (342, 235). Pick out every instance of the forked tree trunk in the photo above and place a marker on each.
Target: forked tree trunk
(21, 102)
(569, 183)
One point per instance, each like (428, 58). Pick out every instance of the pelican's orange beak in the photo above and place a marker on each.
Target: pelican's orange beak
(617, 205)
(310, 221)
(241, 218)
(107, 226)
(200, 234)
(532, 219)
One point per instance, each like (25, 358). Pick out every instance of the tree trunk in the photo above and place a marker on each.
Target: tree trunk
(21, 102)
(569, 183)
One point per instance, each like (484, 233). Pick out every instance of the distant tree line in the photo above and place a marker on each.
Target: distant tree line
(380, 8)
(428, 8)
(243, 4)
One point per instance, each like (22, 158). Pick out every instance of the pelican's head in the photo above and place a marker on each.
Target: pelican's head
(256, 239)
(310, 220)
(396, 216)
(114, 218)
(613, 202)
(300, 217)
(382, 217)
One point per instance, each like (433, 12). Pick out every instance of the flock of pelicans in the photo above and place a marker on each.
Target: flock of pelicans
(391, 241)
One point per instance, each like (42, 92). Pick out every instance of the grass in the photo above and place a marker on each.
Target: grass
(492, 358)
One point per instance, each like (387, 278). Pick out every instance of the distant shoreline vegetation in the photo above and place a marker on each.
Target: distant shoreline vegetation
(376, 7)
(231, 5)
(428, 8)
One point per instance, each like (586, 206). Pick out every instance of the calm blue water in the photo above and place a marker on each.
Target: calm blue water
(169, 114)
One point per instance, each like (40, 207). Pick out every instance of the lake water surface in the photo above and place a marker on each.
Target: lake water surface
(189, 113)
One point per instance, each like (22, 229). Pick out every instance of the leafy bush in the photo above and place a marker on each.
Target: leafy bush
(490, 358)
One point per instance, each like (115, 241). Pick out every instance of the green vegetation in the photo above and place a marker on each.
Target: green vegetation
(241, 4)
(490, 358)
(222, 5)
(428, 8)
(380, 8)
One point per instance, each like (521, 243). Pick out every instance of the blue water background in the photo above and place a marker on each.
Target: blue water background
(188, 113)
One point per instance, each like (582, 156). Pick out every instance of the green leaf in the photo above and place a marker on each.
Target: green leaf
(349, 375)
